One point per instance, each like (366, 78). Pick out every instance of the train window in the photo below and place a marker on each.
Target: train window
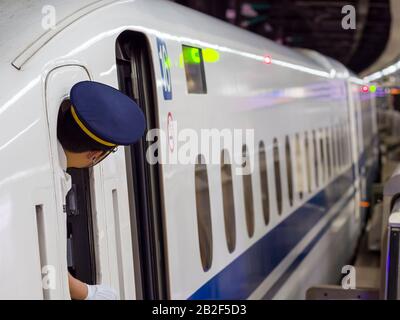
(289, 169)
(314, 137)
(346, 154)
(339, 146)
(328, 152)
(277, 170)
(345, 145)
(204, 225)
(228, 200)
(264, 181)
(322, 151)
(194, 69)
(248, 193)
(342, 144)
(299, 167)
(308, 161)
(348, 143)
(334, 149)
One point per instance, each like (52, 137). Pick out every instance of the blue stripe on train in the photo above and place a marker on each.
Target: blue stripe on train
(284, 277)
(243, 275)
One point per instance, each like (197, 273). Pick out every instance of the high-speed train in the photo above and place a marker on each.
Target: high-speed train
(172, 230)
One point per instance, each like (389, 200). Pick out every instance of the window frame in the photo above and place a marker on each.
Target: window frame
(228, 201)
(202, 70)
(264, 184)
(289, 170)
(204, 230)
(277, 176)
(299, 163)
(248, 193)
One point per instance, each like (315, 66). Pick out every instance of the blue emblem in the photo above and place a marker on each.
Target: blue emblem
(165, 66)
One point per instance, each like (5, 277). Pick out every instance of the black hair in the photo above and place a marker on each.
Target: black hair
(71, 136)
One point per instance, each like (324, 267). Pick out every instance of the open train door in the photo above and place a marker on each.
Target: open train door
(57, 86)
(136, 79)
(94, 235)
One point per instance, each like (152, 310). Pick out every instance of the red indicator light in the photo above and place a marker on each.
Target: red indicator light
(364, 89)
(267, 59)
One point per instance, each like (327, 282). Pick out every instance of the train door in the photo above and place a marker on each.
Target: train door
(94, 232)
(136, 79)
(58, 83)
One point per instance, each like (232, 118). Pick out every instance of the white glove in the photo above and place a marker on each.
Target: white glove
(101, 292)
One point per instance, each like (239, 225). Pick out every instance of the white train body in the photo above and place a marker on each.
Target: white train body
(298, 93)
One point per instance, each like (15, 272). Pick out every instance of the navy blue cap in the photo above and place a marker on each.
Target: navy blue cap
(105, 114)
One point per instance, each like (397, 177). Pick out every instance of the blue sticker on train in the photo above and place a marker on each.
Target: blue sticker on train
(165, 65)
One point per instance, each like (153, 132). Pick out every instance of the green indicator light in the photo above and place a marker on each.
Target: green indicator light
(195, 55)
(210, 55)
(372, 88)
(191, 55)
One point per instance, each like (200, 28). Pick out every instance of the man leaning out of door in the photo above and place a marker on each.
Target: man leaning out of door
(98, 119)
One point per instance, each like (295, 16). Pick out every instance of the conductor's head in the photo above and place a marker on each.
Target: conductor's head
(97, 119)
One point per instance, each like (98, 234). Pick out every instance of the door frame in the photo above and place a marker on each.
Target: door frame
(146, 206)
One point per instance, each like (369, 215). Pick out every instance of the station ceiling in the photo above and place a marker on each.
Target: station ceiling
(313, 24)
